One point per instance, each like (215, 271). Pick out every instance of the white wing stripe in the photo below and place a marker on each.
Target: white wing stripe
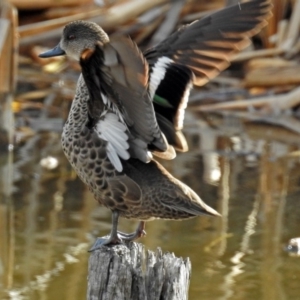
(112, 130)
(114, 158)
(158, 73)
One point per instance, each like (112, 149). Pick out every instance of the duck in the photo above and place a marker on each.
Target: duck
(129, 109)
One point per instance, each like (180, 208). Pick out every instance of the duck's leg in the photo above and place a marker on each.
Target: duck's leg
(140, 232)
(114, 238)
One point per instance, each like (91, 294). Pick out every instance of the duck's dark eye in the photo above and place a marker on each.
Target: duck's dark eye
(71, 37)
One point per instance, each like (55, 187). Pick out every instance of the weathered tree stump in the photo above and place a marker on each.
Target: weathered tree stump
(131, 272)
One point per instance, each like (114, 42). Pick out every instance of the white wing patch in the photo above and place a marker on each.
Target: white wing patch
(158, 73)
(104, 98)
(110, 106)
(183, 105)
(110, 129)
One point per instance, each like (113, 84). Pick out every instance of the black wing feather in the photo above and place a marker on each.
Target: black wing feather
(205, 48)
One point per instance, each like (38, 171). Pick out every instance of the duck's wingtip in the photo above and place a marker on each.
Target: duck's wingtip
(210, 211)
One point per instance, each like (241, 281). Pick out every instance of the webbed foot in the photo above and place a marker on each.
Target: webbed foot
(129, 237)
(106, 241)
(117, 237)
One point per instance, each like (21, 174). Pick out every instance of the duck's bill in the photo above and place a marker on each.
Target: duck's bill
(56, 51)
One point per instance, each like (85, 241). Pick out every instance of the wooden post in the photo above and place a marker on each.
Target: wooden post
(129, 272)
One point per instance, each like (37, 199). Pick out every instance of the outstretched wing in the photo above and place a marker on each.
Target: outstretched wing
(116, 75)
(197, 53)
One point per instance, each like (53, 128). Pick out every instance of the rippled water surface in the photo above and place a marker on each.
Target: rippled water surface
(48, 219)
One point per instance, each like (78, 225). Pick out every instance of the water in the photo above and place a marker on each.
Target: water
(249, 173)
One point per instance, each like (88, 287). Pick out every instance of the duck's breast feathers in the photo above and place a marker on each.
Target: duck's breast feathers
(205, 46)
(119, 71)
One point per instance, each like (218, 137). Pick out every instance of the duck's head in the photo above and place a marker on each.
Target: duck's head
(77, 36)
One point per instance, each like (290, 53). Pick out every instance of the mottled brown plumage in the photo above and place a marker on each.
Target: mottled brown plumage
(113, 125)
(142, 190)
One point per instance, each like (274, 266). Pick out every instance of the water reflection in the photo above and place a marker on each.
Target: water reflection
(48, 219)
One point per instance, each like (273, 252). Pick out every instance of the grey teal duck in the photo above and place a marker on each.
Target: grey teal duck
(130, 106)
